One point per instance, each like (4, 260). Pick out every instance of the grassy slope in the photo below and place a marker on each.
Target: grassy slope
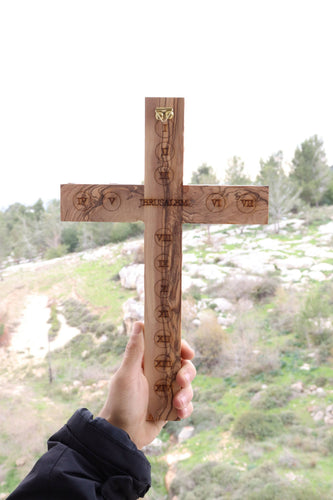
(289, 457)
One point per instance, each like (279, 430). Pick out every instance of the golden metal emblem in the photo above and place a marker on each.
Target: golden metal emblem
(163, 114)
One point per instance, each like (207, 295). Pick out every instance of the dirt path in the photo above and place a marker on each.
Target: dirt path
(31, 336)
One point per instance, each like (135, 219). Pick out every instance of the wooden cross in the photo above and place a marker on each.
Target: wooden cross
(164, 204)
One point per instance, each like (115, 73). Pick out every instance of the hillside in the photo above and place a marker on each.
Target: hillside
(258, 308)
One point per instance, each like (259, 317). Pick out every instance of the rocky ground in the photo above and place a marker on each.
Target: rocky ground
(219, 267)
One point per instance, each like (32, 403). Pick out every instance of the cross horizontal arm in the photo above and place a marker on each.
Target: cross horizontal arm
(201, 204)
(102, 202)
(207, 204)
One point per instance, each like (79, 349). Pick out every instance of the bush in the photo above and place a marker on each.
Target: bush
(254, 425)
(265, 288)
(274, 396)
(121, 231)
(203, 418)
(282, 317)
(78, 315)
(211, 481)
(55, 323)
(115, 344)
(209, 340)
(314, 323)
(55, 252)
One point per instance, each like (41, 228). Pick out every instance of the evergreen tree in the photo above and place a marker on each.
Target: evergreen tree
(310, 170)
(234, 174)
(283, 194)
(204, 175)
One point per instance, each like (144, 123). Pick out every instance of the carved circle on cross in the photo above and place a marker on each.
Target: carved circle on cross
(163, 313)
(164, 129)
(111, 200)
(163, 362)
(162, 288)
(162, 338)
(164, 152)
(162, 262)
(82, 200)
(215, 202)
(163, 175)
(163, 237)
(162, 388)
(247, 202)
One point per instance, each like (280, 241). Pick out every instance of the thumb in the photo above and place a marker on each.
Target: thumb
(135, 349)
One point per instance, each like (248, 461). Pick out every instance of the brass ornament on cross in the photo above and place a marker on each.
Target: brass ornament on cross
(164, 204)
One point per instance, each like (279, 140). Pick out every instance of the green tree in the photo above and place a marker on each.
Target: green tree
(328, 195)
(204, 175)
(70, 237)
(310, 170)
(283, 193)
(234, 174)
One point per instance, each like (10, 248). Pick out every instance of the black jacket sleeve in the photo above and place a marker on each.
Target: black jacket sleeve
(87, 459)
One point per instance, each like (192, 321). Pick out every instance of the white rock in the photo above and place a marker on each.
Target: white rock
(318, 416)
(211, 272)
(317, 275)
(323, 266)
(326, 228)
(129, 275)
(154, 448)
(291, 275)
(132, 247)
(294, 262)
(227, 320)
(269, 244)
(222, 305)
(189, 257)
(329, 409)
(133, 309)
(298, 386)
(188, 282)
(185, 433)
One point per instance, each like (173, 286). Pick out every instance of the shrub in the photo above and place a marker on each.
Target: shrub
(203, 418)
(265, 288)
(254, 425)
(209, 395)
(282, 317)
(104, 329)
(208, 341)
(314, 325)
(121, 231)
(210, 481)
(115, 344)
(55, 323)
(329, 444)
(274, 396)
(78, 315)
(55, 252)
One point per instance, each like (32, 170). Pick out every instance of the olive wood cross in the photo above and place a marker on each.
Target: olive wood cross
(164, 204)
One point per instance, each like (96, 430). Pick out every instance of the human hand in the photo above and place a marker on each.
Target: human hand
(127, 402)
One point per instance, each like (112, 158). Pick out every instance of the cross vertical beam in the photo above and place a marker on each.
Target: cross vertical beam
(163, 253)
(164, 204)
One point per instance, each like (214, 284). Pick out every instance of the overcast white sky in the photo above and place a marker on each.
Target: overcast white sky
(256, 76)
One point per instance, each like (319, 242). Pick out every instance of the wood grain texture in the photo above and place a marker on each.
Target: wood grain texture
(164, 204)
(163, 255)
(101, 203)
(225, 204)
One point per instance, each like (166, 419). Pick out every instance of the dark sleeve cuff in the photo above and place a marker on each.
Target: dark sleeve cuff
(121, 466)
